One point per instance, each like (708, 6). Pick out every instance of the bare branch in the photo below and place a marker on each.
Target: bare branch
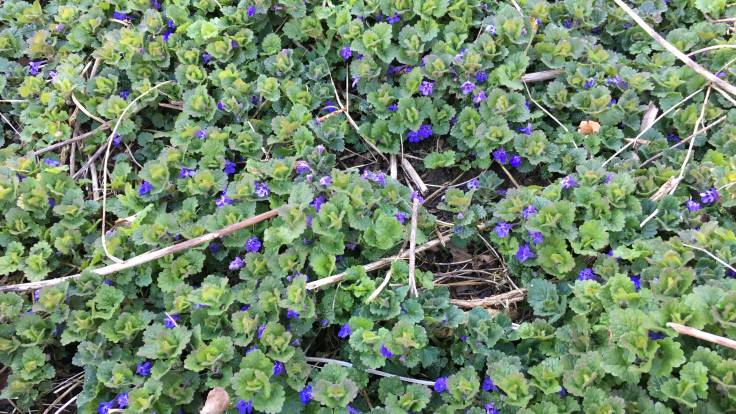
(697, 333)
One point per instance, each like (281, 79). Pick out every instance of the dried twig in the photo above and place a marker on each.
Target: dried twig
(148, 256)
(697, 333)
(692, 136)
(52, 147)
(714, 257)
(412, 173)
(541, 76)
(413, 248)
(675, 51)
(379, 289)
(86, 112)
(392, 168)
(369, 370)
(503, 299)
(649, 116)
(217, 401)
(709, 48)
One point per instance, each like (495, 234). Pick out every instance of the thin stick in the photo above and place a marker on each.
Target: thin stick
(641, 133)
(95, 183)
(709, 48)
(86, 112)
(412, 173)
(9, 124)
(413, 248)
(697, 333)
(150, 255)
(508, 174)
(392, 168)
(504, 299)
(675, 51)
(66, 404)
(541, 76)
(369, 370)
(714, 257)
(649, 116)
(380, 287)
(549, 114)
(64, 394)
(692, 136)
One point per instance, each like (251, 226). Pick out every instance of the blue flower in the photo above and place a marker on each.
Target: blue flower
(617, 81)
(416, 196)
(393, 107)
(488, 385)
(206, 58)
(251, 11)
(305, 395)
(501, 156)
(145, 188)
(440, 385)
(223, 200)
(122, 400)
(524, 253)
(473, 184)
(587, 274)
(393, 19)
(155, 4)
(201, 134)
(171, 320)
(673, 137)
(51, 202)
(467, 87)
(589, 84)
(481, 76)
(234, 44)
(236, 263)
(636, 280)
(346, 52)
(120, 16)
(567, 23)
(692, 205)
(400, 217)
(385, 352)
(244, 308)
(144, 368)
(252, 245)
(655, 336)
(51, 162)
(261, 190)
(116, 140)
(105, 407)
(426, 88)
(502, 229)
(562, 392)
(527, 130)
(709, 196)
(302, 167)
(291, 314)
(185, 172)
(260, 330)
(491, 409)
(569, 182)
(377, 177)
(480, 97)
(515, 161)
(325, 181)
(229, 167)
(528, 211)
(317, 203)
(36, 295)
(425, 131)
(413, 137)
(34, 67)
(345, 331)
(244, 407)
(124, 94)
(278, 368)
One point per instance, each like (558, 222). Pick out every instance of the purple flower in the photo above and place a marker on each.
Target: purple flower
(567, 23)
(234, 44)
(145, 188)
(425, 131)
(122, 400)
(278, 368)
(305, 395)
(261, 190)
(124, 94)
(229, 167)
(481, 76)
(51, 162)
(317, 203)
(416, 196)
(346, 52)
(244, 308)
(206, 58)
(34, 67)
(562, 392)
(501, 156)
(636, 280)
(673, 137)
(105, 407)
(393, 107)
(524, 253)
(473, 183)
(393, 19)
(325, 181)
(709, 196)
(587, 274)
(440, 385)
(589, 84)
(467, 87)
(120, 16)
(721, 74)
(655, 336)
(377, 177)
(251, 11)
(244, 407)
(171, 320)
(223, 200)
(116, 140)
(528, 211)
(527, 130)
(515, 161)
(236, 263)
(260, 330)
(491, 29)
(185, 172)
(400, 217)
(51, 202)
(502, 229)
(36, 294)
(155, 4)
(488, 385)
(491, 409)
(426, 88)
(413, 137)
(617, 81)
(569, 182)
(144, 368)
(385, 352)
(345, 331)
(290, 314)
(692, 205)
(302, 167)
(479, 97)
(201, 134)
(252, 245)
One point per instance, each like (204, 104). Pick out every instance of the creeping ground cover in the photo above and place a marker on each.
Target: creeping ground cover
(367, 206)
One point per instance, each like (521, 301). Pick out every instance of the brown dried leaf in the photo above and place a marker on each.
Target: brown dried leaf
(589, 127)
(217, 400)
